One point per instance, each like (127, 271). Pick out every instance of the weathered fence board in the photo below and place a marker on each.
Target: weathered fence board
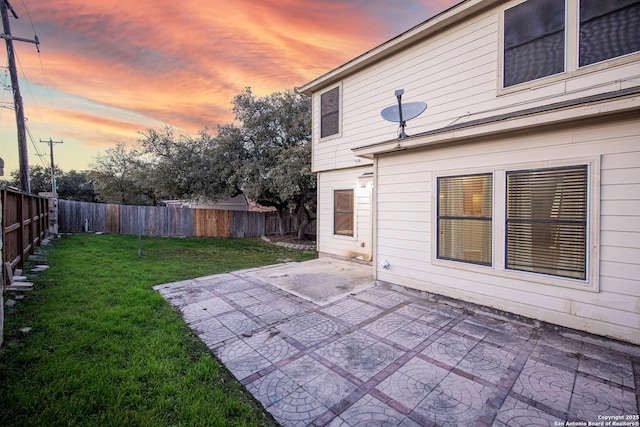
(169, 221)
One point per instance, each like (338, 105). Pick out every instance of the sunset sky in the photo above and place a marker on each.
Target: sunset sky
(109, 70)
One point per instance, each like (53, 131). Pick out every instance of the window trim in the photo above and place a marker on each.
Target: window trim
(353, 214)
(498, 269)
(529, 219)
(340, 113)
(572, 51)
(462, 217)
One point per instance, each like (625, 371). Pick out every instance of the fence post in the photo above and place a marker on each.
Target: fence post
(52, 204)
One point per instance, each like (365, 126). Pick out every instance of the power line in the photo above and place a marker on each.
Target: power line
(53, 173)
(22, 140)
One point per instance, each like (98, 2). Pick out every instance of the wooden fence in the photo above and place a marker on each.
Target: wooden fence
(25, 220)
(76, 217)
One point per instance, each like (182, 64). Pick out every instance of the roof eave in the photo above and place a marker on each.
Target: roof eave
(622, 102)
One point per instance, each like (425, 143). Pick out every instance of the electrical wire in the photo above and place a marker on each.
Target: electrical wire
(35, 147)
(44, 76)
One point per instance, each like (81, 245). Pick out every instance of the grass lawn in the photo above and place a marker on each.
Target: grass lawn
(104, 349)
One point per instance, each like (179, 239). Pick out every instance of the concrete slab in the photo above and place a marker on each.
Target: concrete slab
(379, 356)
(320, 281)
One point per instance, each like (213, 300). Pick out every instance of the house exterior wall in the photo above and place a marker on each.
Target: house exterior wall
(457, 72)
(453, 62)
(607, 304)
(359, 245)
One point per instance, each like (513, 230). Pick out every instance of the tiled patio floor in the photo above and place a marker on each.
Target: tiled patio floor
(383, 357)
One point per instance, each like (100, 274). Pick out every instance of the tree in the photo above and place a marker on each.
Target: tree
(276, 135)
(39, 178)
(186, 167)
(76, 185)
(119, 174)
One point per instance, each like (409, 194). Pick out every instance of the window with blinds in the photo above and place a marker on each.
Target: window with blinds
(330, 112)
(465, 218)
(608, 29)
(534, 41)
(343, 213)
(546, 221)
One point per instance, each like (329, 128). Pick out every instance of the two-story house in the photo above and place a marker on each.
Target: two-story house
(519, 187)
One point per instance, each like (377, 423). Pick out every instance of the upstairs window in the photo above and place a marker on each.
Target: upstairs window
(546, 221)
(343, 213)
(534, 41)
(330, 112)
(465, 218)
(608, 29)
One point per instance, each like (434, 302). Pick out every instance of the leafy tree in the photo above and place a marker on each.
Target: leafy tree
(186, 167)
(39, 178)
(119, 175)
(276, 135)
(76, 185)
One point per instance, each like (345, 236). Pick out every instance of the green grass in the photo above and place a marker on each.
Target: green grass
(106, 350)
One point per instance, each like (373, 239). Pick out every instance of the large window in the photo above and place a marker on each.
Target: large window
(343, 213)
(546, 221)
(465, 218)
(608, 29)
(534, 40)
(540, 39)
(330, 112)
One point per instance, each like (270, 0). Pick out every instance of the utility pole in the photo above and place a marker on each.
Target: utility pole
(17, 98)
(53, 173)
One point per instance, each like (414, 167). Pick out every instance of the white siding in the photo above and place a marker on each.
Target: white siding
(361, 182)
(456, 72)
(405, 215)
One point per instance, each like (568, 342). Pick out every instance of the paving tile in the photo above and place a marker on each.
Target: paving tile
(385, 298)
(238, 323)
(556, 357)
(619, 372)
(387, 324)
(559, 342)
(411, 383)
(471, 329)
(455, 401)
(345, 347)
(412, 334)
(545, 384)
(298, 408)
(329, 388)
(193, 313)
(592, 398)
(450, 349)
(516, 413)
(504, 339)
(272, 387)
(367, 362)
(487, 362)
(247, 364)
(215, 306)
(270, 346)
(343, 306)
(217, 337)
(369, 411)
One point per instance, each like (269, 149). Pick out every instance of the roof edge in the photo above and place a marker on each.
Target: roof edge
(465, 130)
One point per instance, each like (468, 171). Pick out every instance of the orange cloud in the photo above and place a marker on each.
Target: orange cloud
(152, 62)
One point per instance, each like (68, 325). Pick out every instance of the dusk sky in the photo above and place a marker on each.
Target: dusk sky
(109, 70)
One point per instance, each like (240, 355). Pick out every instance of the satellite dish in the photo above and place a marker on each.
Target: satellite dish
(410, 110)
(401, 113)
